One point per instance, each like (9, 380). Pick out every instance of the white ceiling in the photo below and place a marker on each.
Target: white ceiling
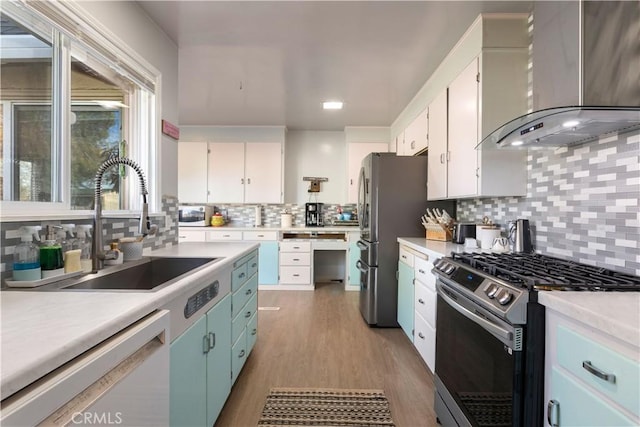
(273, 63)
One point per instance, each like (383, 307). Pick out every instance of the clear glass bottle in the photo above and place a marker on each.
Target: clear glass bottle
(26, 255)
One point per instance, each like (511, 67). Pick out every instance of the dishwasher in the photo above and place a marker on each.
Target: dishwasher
(122, 381)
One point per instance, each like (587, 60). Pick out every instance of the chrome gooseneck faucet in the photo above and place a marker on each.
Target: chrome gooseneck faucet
(146, 228)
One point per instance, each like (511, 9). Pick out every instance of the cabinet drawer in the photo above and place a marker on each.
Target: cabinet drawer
(573, 350)
(425, 341)
(406, 256)
(425, 303)
(252, 266)
(293, 258)
(244, 294)
(213, 236)
(423, 273)
(191, 235)
(260, 235)
(295, 275)
(252, 332)
(578, 406)
(295, 246)
(238, 277)
(242, 318)
(238, 355)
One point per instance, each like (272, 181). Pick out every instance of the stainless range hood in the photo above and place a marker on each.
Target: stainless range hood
(585, 78)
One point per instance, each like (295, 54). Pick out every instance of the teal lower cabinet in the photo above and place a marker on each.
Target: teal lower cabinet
(200, 368)
(405, 298)
(268, 261)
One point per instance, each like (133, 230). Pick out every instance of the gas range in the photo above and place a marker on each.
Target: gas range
(505, 282)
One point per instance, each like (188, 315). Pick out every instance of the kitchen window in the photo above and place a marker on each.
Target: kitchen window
(69, 99)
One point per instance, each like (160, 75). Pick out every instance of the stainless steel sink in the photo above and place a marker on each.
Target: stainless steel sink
(148, 274)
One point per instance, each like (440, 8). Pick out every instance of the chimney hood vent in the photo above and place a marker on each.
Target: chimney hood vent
(561, 126)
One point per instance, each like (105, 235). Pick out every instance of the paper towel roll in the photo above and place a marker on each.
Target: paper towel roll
(258, 218)
(285, 220)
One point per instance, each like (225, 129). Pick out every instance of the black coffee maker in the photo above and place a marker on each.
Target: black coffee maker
(313, 215)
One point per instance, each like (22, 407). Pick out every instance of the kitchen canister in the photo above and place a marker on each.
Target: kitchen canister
(286, 219)
(487, 236)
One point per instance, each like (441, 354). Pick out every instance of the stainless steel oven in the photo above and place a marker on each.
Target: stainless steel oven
(489, 351)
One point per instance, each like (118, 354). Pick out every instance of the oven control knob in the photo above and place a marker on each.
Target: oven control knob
(492, 290)
(449, 268)
(504, 297)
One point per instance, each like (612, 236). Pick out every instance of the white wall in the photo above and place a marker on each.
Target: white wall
(130, 25)
(233, 133)
(316, 154)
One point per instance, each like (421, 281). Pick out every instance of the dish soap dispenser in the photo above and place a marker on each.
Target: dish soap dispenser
(83, 242)
(51, 261)
(26, 255)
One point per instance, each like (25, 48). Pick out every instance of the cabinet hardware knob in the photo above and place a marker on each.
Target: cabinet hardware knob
(248, 292)
(254, 265)
(421, 301)
(420, 335)
(241, 180)
(556, 414)
(421, 271)
(254, 331)
(248, 180)
(241, 275)
(241, 355)
(247, 314)
(586, 364)
(212, 340)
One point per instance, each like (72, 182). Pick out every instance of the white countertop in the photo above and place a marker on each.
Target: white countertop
(41, 330)
(325, 229)
(614, 313)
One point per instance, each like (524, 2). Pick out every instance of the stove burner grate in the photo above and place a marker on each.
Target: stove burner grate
(536, 271)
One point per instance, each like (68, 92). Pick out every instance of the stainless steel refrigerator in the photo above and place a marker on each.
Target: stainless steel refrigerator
(392, 196)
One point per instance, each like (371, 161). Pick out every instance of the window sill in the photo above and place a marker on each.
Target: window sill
(74, 215)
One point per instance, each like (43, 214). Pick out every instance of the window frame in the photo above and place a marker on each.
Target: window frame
(74, 28)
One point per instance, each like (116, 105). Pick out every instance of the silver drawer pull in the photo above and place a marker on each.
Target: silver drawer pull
(247, 314)
(254, 331)
(241, 355)
(550, 412)
(248, 292)
(296, 259)
(205, 344)
(260, 235)
(421, 301)
(420, 335)
(212, 340)
(586, 364)
(296, 247)
(421, 271)
(296, 275)
(254, 265)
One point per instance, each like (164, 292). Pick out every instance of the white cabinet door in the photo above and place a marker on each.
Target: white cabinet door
(355, 153)
(415, 136)
(263, 172)
(226, 173)
(462, 177)
(192, 172)
(437, 161)
(399, 141)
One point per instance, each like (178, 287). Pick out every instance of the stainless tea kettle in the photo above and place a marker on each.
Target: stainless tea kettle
(520, 236)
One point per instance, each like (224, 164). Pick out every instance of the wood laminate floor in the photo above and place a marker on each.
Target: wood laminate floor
(319, 339)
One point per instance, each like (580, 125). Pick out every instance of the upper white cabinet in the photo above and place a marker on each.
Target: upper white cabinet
(488, 91)
(398, 141)
(192, 172)
(437, 160)
(415, 135)
(355, 153)
(245, 172)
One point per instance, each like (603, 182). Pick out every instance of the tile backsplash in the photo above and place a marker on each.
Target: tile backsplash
(583, 202)
(243, 215)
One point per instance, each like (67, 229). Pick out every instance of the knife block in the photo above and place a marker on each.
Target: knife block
(439, 233)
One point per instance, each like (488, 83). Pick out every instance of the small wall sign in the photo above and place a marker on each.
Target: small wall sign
(170, 129)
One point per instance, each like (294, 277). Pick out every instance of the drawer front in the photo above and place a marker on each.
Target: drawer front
(295, 275)
(425, 341)
(260, 235)
(252, 266)
(295, 246)
(239, 277)
(578, 406)
(425, 303)
(406, 256)
(238, 355)
(244, 294)
(294, 258)
(423, 272)
(252, 332)
(213, 236)
(191, 236)
(242, 318)
(573, 350)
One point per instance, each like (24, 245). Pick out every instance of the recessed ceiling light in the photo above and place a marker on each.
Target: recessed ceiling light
(571, 123)
(332, 105)
(516, 143)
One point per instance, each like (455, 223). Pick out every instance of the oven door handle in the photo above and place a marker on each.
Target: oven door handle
(493, 329)
(361, 267)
